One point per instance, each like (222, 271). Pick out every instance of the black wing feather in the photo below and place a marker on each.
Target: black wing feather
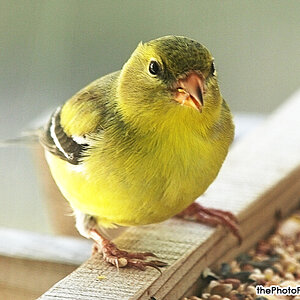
(56, 141)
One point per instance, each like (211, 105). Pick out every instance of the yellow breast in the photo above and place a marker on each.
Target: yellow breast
(137, 180)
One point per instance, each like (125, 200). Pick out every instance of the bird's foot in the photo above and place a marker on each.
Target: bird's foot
(212, 217)
(120, 258)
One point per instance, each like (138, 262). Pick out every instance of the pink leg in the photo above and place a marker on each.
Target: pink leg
(121, 258)
(212, 217)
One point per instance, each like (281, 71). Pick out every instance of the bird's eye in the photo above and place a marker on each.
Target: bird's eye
(213, 69)
(154, 67)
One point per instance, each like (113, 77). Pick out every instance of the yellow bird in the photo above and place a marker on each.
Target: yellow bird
(139, 145)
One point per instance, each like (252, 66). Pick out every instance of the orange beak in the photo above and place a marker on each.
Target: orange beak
(190, 90)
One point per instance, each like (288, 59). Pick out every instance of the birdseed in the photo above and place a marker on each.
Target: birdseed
(274, 261)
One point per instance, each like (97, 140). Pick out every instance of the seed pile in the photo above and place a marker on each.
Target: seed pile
(275, 261)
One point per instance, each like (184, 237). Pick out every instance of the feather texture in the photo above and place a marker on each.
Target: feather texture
(147, 157)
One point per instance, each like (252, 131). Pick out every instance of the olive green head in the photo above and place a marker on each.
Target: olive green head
(179, 55)
(169, 75)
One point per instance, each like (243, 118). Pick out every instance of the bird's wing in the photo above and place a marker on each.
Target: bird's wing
(56, 141)
(67, 134)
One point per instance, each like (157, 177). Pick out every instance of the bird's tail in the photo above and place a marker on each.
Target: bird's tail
(28, 138)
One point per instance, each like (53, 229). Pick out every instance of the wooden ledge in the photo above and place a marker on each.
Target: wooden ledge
(30, 262)
(260, 178)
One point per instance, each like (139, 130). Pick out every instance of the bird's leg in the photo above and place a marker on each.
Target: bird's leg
(120, 258)
(212, 217)
(88, 227)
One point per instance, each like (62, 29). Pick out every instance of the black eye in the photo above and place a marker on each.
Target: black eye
(213, 69)
(154, 67)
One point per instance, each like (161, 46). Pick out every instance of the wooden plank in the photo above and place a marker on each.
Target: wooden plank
(29, 277)
(255, 228)
(260, 177)
(36, 246)
(31, 263)
(9, 293)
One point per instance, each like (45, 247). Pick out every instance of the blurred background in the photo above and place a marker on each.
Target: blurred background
(51, 49)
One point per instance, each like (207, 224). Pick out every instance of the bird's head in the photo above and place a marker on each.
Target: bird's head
(169, 77)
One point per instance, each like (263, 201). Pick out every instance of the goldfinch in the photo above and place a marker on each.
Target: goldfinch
(139, 145)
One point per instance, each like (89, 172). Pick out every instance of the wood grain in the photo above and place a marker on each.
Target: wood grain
(31, 263)
(260, 177)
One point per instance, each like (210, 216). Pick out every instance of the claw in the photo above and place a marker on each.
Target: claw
(159, 263)
(141, 265)
(121, 258)
(117, 263)
(212, 217)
